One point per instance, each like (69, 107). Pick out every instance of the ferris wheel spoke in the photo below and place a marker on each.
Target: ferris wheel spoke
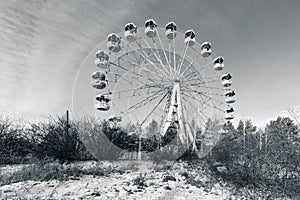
(213, 88)
(135, 90)
(194, 77)
(155, 107)
(191, 75)
(143, 102)
(136, 75)
(163, 49)
(134, 65)
(200, 68)
(203, 101)
(128, 81)
(153, 52)
(132, 96)
(145, 57)
(215, 100)
(199, 80)
(202, 116)
(206, 95)
(196, 110)
(138, 60)
(196, 65)
(181, 61)
(201, 85)
(206, 102)
(188, 67)
(170, 61)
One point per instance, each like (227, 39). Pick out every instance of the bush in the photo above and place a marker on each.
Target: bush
(255, 158)
(61, 141)
(15, 146)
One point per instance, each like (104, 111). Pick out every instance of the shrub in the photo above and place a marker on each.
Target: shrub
(61, 141)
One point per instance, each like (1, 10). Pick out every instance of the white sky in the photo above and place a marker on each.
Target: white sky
(44, 42)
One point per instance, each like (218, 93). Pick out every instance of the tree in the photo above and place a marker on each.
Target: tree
(240, 127)
(249, 127)
(282, 150)
(152, 128)
(295, 115)
(280, 131)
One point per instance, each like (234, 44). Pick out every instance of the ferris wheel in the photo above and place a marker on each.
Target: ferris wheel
(157, 72)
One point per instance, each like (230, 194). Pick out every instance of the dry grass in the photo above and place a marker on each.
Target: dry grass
(46, 171)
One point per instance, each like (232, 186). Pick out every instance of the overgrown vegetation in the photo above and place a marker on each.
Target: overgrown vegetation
(54, 139)
(244, 155)
(46, 171)
(269, 157)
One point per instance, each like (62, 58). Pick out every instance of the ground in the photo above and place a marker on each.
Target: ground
(124, 180)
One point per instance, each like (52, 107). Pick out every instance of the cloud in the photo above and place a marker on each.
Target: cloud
(44, 42)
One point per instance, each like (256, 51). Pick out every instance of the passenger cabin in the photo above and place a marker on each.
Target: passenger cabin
(150, 28)
(226, 83)
(230, 110)
(230, 97)
(114, 121)
(102, 59)
(99, 81)
(227, 76)
(189, 38)
(229, 116)
(102, 107)
(219, 63)
(114, 118)
(98, 76)
(206, 49)
(171, 30)
(98, 84)
(230, 93)
(113, 42)
(103, 101)
(230, 100)
(130, 33)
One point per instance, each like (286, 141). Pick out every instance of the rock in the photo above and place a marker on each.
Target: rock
(222, 169)
(150, 184)
(123, 193)
(168, 178)
(184, 174)
(96, 193)
(74, 178)
(216, 191)
(167, 187)
(206, 189)
(67, 194)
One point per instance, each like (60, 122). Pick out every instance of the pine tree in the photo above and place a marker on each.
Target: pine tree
(240, 127)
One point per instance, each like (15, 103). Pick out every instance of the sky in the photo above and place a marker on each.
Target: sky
(43, 44)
